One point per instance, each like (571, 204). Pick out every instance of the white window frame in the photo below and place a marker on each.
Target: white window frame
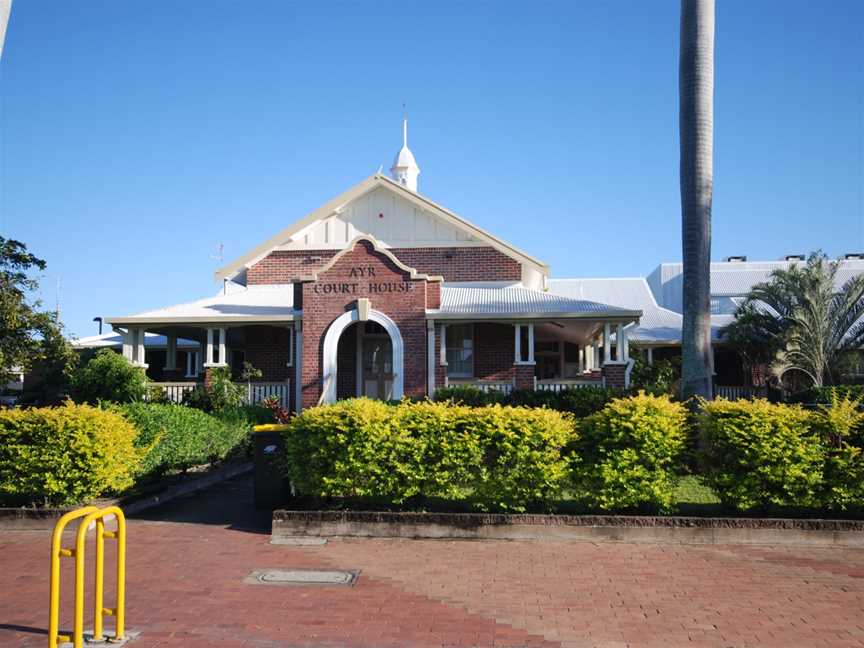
(461, 374)
(192, 363)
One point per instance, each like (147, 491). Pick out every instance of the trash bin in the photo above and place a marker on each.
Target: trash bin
(272, 488)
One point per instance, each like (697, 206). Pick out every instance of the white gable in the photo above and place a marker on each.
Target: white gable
(389, 218)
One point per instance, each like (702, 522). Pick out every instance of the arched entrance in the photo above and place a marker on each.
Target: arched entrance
(378, 359)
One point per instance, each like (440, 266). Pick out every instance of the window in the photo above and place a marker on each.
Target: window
(723, 306)
(460, 351)
(191, 364)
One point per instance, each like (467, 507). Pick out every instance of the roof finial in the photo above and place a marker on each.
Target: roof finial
(405, 169)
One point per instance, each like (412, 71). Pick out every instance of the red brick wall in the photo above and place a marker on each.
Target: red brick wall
(267, 349)
(322, 305)
(614, 375)
(493, 351)
(454, 264)
(524, 376)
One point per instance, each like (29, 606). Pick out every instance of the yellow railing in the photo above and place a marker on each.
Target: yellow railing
(95, 516)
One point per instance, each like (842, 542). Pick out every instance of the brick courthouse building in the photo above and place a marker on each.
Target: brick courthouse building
(384, 293)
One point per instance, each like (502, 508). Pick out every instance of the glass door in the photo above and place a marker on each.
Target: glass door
(377, 365)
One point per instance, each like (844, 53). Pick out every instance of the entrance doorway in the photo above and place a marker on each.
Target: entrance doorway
(375, 355)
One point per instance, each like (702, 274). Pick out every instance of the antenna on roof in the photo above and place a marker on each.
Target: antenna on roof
(219, 257)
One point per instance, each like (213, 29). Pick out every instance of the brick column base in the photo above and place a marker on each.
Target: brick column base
(614, 375)
(524, 376)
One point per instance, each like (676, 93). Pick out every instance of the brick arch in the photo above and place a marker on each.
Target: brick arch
(331, 345)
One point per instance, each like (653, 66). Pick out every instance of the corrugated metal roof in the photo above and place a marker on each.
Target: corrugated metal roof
(259, 302)
(115, 340)
(519, 301)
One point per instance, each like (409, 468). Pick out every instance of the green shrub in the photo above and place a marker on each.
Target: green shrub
(840, 427)
(176, 437)
(223, 391)
(468, 395)
(824, 395)
(657, 378)
(758, 454)
(108, 376)
(64, 455)
(628, 454)
(496, 457)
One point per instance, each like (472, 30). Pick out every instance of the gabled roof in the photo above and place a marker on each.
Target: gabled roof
(358, 190)
(518, 302)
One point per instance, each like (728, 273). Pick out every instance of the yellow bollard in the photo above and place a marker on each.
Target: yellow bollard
(57, 552)
(90, 515)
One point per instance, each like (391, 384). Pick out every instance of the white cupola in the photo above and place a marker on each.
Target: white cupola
(405, 169)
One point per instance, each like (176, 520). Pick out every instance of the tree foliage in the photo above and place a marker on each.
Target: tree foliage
(799, 320)
(28, 336)
(108, 376)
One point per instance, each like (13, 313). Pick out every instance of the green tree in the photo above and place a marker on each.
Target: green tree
(111, 377)
(800, 320)
(696, 125)
(28, 335)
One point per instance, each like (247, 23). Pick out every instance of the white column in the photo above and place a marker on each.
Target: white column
(607, 342)
(531, 343)
(128, 342)
(581, 358)
(290, 346)
(517, 344)
(589, 357)
(430, 358)
(223, 360)
(209, 360)
(623, 344)
(650, 355)
(298, 366)
(619, 339)
(171, 352)
(190, 359)
(140, 357)
(596, 363)
(443, 359)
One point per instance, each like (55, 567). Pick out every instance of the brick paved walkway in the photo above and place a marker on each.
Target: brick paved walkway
(185, 589)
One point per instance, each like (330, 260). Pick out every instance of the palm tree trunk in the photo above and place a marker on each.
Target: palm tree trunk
(696, 124)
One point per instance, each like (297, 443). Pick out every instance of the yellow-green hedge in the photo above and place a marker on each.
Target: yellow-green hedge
(64, 455)
(628, 455)
(757, 453)
(499, 458)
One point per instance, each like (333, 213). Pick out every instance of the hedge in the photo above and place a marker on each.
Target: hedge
(108, 376)
(757, 453)
(497, 458)
(627, 455)
(64, 455)
(176, 437)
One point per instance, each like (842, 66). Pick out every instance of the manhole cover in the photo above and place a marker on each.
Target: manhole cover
(302, 577)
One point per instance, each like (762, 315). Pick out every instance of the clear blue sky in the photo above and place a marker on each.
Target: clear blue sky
(138, 136)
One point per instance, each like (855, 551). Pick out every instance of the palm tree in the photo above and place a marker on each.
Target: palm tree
(816, 327)
(696, 125)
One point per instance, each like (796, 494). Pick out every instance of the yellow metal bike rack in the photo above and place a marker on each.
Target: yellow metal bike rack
(90, 515)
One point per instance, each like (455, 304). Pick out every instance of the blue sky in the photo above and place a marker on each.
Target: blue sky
(138, 136)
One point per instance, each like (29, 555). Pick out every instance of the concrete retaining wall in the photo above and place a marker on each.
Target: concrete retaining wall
(579, 528)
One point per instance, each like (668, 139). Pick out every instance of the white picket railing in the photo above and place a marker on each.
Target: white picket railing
(556, 386)
(486, 386)
(738, 393)
(254, 392)
(175, 391)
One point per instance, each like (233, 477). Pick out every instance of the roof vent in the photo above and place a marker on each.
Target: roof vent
(853, 256)
(736, 259)
(794, 257)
